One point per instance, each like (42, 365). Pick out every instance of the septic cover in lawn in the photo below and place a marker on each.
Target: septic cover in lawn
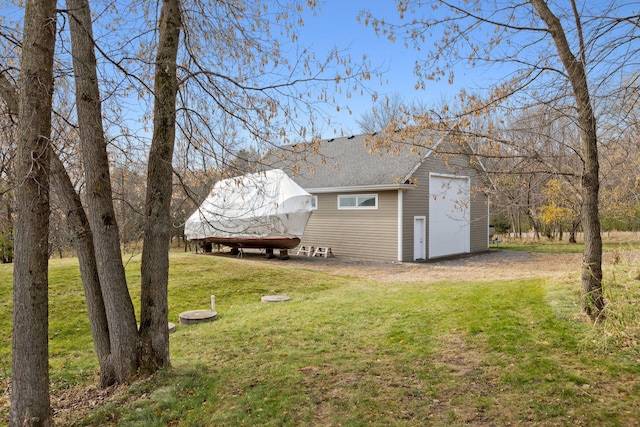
(275, 298)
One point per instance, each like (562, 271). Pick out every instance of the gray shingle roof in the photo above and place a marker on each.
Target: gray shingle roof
(352, 161)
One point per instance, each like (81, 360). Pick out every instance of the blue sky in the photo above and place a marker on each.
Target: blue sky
(335, 25)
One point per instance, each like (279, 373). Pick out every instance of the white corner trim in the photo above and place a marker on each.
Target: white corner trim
(400, 219)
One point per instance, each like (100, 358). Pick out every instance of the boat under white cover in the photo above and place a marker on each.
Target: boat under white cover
(258, 210)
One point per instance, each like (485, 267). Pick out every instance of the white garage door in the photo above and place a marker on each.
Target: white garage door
(449, 215)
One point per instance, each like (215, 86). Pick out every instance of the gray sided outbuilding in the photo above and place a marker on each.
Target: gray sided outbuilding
(399, 197)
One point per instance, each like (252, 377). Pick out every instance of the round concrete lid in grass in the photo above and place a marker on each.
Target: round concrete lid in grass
(275, 298)
(197, 316)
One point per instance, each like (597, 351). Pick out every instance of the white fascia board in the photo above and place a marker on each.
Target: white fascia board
(400, 217)
(360, 188)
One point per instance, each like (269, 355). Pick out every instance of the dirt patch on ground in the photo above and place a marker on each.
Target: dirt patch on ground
(489, 265)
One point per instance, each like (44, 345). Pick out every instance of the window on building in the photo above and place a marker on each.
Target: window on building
(314, 203)
(358, 201)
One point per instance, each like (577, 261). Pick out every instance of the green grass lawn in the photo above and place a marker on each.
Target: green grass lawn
(615, 242)
(351, 352)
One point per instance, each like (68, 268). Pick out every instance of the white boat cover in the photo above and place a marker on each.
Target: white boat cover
(258, 205)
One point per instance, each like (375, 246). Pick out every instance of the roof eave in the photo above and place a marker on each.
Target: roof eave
(360, 188)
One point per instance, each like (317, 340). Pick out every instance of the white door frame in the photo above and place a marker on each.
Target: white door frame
(449, 237)
(419, 237)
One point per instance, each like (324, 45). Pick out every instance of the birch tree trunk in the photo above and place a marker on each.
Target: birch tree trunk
(30, 405)
(123, 334)
(155, 252)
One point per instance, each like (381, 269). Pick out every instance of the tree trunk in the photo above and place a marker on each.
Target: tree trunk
(82, 239)
(574, 229)
(123, 334)
(593, 301)
(154, 333)
(534, 222)
(30, 405)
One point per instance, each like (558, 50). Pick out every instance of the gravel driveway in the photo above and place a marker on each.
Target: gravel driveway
(490, 265)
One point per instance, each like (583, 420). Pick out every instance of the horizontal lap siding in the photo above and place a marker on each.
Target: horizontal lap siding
(416, 201)
(479, 220)
(360, 233)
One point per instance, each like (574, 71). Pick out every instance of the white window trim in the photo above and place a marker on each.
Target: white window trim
(374, 195)
(314, 203)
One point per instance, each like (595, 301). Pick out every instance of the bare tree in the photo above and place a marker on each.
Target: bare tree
(154, 334)
(537, 146)
(7, 167)
(241, 92)
(128, 185)
(576, 73)
(392, 112)
(121, 318)
(539, 57)
(30, 360)
(389, 111)
(620, 168)
(82, 239)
